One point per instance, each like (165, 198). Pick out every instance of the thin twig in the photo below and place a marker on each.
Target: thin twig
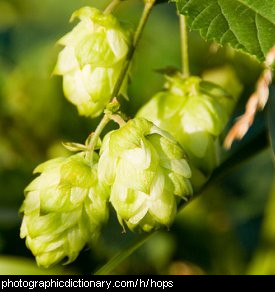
(184, 45)
(143, 20)
(123, 255)
(118, 119)
(111, 7)
(105, 120)
(256, 102)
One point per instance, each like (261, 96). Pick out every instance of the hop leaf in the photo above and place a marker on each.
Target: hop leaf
(148, 172)
(91, 61)
(64, 208)
(195, 112)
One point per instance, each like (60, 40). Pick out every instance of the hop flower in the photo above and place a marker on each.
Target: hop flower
(91, 61)
(148, 172)
(225, 77)
(64, 208)
(195, 112)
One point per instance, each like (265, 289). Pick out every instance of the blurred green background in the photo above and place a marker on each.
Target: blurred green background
(230, 229)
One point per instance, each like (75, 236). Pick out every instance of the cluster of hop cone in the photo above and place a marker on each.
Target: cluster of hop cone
(144, 169)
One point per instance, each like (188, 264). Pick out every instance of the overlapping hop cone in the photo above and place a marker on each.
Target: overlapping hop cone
(64, 209)
(92, 59)
(195, 112)
(148, 174)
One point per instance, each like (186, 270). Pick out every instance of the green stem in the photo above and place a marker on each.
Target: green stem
(123, 255)
(118, 119)
(105, 120)
(112, 6)
(143, 20)
(146, 12)
(184, 45)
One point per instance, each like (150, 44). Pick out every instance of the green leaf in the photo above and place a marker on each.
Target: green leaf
(247, 25)
(271, 119)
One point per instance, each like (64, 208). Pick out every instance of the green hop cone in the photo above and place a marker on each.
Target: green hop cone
(195, 112)
(225, 76)
(63, 210)
(92, 59)
(148, 172)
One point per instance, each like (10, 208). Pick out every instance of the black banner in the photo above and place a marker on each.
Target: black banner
(44, 283)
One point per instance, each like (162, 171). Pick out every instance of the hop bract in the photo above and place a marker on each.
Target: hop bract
(225, 76)
(195, 112)
(148, 172)
(64, 208)
(92, 60)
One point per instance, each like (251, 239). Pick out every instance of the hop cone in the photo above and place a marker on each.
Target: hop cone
(225, 77)
(195, 112)
(148, 172)
(91, 60)
(64, 208)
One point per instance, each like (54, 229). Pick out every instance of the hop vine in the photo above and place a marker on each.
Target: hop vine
(145, 168)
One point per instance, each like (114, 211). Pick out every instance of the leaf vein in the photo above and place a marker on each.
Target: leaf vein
(255, 10)
(211, 23)
(201, 12)
(258, 34)
(224, 34)
(230, 26)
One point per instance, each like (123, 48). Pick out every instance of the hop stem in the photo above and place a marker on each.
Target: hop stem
(121, 256)
(143, 20)
(105, 120)
(107, 117)
(103, 123)
(112, 6)
(118, 119)
(184, 45)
